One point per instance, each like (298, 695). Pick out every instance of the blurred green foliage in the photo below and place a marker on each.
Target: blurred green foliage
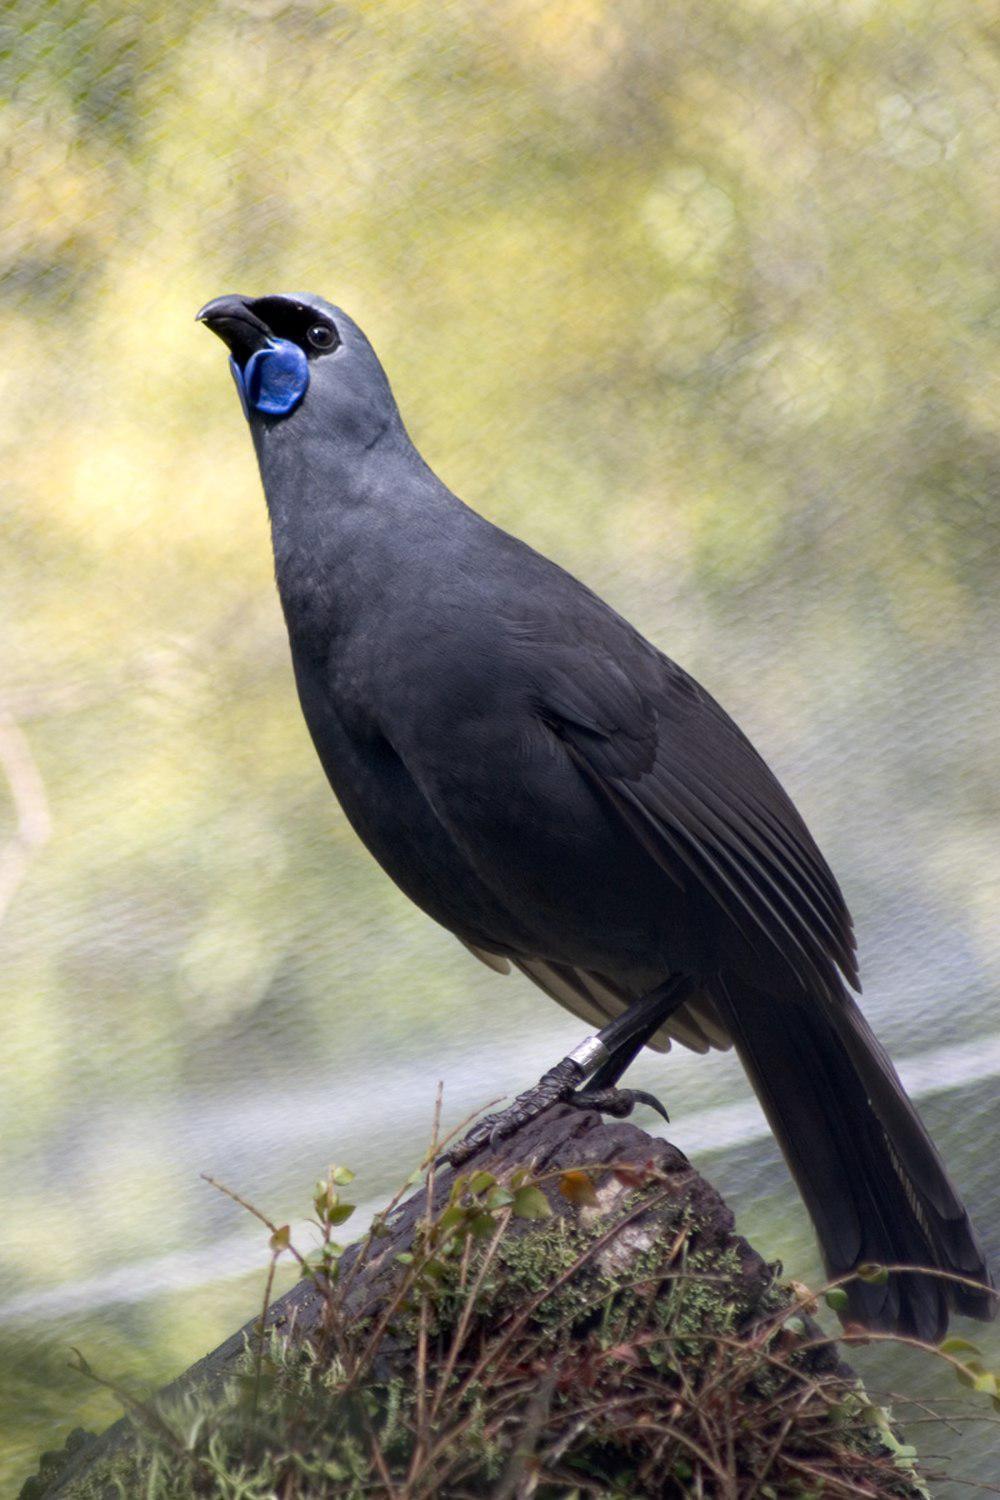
(698, 296)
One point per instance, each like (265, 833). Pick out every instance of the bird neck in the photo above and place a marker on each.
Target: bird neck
(343, 520)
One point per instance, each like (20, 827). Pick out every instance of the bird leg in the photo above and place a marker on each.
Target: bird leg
(602, 1093)
(603, 1057)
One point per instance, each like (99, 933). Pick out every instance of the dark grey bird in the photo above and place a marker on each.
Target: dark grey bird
(562, 797)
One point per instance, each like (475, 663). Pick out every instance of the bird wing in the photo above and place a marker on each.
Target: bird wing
(695, 794)
(597, 1000)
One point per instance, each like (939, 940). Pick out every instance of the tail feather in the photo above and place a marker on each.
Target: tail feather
(871, 1177)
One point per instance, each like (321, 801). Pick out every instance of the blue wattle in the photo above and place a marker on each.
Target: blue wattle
(273, 380)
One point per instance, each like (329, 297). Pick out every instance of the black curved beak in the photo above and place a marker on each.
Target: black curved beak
(232, 318)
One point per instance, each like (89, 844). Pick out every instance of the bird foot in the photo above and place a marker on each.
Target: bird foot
(558, 1086)
(554, 1087)
(618, 1103)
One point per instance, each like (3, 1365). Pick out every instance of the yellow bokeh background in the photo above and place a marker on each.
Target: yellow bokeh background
(700, 298)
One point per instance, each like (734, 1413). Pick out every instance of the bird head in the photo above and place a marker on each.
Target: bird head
(293, 355)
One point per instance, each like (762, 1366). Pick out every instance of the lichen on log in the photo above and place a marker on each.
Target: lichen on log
(570, 1315)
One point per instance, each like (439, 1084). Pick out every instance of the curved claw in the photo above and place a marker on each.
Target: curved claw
(616, 1102)
(651, 1101)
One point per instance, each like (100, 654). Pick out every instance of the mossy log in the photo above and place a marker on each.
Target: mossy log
(576, 1316)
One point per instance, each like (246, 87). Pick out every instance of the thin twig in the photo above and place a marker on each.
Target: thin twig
(259, 1358)
(770, 1457)
(251, 1208)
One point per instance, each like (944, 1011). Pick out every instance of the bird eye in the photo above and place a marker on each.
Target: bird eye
(322, 336)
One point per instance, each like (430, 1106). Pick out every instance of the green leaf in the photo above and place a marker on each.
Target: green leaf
(480, 1181)
(874, 1274)
(450, 1219)
(341, 1176)
(498, 1197)
(837, 1299)
(968, 1373)
(531, 1203)
(958, 1346)
(482, 1226)
(281, 1239)
(340, 1213)
(324, 1200)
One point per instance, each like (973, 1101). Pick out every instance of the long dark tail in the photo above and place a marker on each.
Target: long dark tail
(869, 1173)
